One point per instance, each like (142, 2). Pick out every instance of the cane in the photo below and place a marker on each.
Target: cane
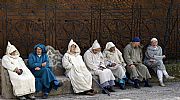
(106, 91)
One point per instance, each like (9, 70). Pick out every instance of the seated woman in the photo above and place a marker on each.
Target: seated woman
(115, 62)
(154, 59)
(39, 65)
(22, 79)
(76, 70)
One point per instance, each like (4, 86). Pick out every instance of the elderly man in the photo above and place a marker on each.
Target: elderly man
(39, 65)
(95, 62)
(76, 70)
(22, 79)
(154, 60)
(115, 62)
(133, 57)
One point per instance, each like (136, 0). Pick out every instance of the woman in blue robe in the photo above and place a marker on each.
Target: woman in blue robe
(39, 65)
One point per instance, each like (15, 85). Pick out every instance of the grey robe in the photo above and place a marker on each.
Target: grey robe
(153, 58)
(134, 56)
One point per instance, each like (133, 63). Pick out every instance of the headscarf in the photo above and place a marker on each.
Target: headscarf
(11, 48)
(77, 50)
(154, 39)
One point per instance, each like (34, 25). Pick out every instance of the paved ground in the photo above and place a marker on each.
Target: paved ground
(170, 92)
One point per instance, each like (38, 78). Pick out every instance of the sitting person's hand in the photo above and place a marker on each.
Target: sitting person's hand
(131, 66)
(37, 68)
(19, 71)
(113, 64)
(43, 64)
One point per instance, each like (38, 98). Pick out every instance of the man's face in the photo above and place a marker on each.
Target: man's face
(136, 44)
(96, 50)
(73, 48)
(38, 51)
(13, 53)
(154, 43)
(112, 49)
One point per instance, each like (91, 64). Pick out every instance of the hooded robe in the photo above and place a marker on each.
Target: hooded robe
(22, 84)
(76, 70)
(115, 57)
(94, 62)
(44, 76)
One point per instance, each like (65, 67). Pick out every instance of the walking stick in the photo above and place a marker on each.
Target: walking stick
(106, 91)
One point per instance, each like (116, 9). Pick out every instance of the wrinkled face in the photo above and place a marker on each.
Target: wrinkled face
(13, 53)
(154, 43)
(96, 50)
(136, 44)
(38, 51)
(112, 49)
(73, 48)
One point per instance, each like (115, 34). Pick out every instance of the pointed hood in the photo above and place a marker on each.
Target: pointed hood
(78, 51)
(11, 48)
(42, 46)
(109, 45)
(95, 45)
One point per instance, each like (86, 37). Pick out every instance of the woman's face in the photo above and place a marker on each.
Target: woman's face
(154, 43)
(73, 48)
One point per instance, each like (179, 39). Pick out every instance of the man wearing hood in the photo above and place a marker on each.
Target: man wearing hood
(22, 79)
(39, 65)
(95, 62)
(154, 60)
(76, 70)
(133, 56)
(115, 62)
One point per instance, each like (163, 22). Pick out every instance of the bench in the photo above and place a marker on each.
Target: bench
(55, 62)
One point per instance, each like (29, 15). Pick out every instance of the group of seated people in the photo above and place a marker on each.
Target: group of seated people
(109, 66)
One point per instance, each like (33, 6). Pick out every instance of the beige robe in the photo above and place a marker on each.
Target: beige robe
(76, 70)
(115, 57)
(134, 56)
(94, 61)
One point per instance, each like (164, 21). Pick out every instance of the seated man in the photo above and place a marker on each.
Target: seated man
(95, 62)
(22, 79)
(115, 62)
(76, 70)
(39, 65)
(133, 57)
(154, 59)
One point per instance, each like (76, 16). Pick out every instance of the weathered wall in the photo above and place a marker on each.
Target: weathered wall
(54, 22)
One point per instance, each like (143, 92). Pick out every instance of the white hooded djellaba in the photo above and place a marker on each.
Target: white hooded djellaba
(76, 70)
(22, 84)
(115, 57)
(94, 62)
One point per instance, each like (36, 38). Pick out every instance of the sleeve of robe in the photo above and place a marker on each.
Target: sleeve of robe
(89, 61)
(107, 62)
(159, 56)
(150, 55)
(6, 63)
(120, 56)
(127, 55)
(46, 59)
(66, 62)
(32, 63)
